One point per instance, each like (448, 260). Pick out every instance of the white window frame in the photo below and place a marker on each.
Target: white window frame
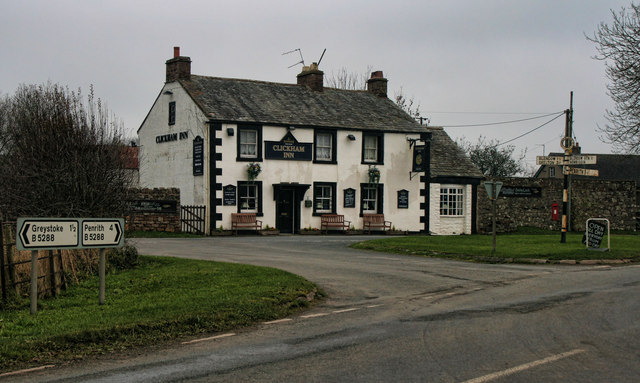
(324, 193)
(452, 200)
(244, 196)
(245, 143)
(367, 198)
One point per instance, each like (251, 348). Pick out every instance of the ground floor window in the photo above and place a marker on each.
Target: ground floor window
(324, 198)
(250, 197)
(451, 201)
(371, 198)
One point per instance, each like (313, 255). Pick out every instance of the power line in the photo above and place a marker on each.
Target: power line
(503, 122)
(530, 131)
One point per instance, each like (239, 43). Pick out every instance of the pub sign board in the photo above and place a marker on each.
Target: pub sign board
(595, 233)
(288, 149)
(350, 197)
(229, 195)
(419, 159)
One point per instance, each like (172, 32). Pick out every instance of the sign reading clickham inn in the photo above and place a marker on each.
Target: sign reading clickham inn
(288, 149)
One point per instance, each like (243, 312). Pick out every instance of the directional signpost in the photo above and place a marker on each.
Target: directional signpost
(67, 233)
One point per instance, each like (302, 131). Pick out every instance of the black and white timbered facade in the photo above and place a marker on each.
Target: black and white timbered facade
(319, 150)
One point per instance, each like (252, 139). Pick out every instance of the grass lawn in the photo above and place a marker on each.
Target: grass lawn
(160, 234)
(162, 299)
(508, 246)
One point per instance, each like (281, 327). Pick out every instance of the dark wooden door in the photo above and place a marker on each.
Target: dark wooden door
(285, 211)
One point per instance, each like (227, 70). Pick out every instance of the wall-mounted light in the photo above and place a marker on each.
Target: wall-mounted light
(230, 132)
(167, 92)
(351, 137)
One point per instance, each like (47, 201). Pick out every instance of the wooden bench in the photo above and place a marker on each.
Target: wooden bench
(375, 221)
(333, 220)
(244, 221)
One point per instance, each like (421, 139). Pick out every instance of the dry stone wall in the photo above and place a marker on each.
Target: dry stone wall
(614, 200)
(156, 209)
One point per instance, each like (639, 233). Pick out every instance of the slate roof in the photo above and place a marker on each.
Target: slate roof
(619, 167)
(249, 101)
(266, 103)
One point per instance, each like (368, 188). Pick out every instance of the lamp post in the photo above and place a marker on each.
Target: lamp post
(493, 191)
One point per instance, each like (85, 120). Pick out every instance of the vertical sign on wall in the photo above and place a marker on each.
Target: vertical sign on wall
(198, 156)
(403, 199)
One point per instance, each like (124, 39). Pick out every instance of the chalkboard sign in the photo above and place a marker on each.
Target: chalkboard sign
(595, 233)
(403, 199)
(198, 156)
(349, 197)
(229, 195)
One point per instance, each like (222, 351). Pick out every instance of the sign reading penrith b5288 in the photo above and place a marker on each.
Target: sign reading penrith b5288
(69, 233)
(47, 233)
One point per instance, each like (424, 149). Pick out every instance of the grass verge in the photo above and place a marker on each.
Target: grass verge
(162, 299)
(509, 247)
(160, 234)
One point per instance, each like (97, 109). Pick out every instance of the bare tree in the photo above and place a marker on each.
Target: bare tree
(355, 81)
(349, 80)
(493, 160)
(618, 45)
(60, 157)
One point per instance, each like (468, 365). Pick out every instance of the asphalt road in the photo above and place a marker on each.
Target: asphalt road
(400, 319)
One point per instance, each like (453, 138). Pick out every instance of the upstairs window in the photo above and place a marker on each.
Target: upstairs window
(372, 148)
(325, 147)
(451, 201)
(249, 144)
(172, 113)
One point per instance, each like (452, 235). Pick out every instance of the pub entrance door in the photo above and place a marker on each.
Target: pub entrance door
(288, 197)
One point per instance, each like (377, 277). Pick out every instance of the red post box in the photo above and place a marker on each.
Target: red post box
(555, 212)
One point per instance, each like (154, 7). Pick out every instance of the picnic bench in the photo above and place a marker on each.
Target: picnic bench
(375, 221)
(333, 221)
(244, 221)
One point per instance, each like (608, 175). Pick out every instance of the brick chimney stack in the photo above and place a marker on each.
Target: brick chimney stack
(312, 77)
(377, 84)
(179, 67)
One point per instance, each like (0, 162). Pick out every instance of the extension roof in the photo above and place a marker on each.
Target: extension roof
(267, 103)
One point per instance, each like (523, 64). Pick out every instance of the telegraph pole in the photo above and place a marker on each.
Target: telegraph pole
(567, 145)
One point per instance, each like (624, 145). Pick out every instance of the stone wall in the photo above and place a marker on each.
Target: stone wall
(614, 200)
(156, 209)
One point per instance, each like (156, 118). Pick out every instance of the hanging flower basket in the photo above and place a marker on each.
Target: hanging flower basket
(253, 170)
(374, 175)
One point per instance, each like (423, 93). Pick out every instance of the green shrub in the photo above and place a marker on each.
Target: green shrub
(123, 258)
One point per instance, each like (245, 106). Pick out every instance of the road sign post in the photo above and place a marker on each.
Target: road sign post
(68, 233)
(493, 191)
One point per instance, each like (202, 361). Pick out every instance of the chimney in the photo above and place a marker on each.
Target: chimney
(377, 84)
(179, 67)
(312, 77)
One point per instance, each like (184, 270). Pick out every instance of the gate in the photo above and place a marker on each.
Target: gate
(192, 219)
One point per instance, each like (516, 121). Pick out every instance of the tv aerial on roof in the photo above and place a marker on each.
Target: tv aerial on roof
(301, 58)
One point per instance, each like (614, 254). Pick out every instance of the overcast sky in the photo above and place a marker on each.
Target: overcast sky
(464, 62)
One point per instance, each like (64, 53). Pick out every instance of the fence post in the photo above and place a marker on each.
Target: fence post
(52, 272)
(3, 280)
(34, 282)
(63, 281)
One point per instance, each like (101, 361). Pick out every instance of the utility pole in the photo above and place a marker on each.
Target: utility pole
(567, 145)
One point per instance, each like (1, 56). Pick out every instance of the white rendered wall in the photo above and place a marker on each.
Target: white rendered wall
(347, 173)
(170, 164)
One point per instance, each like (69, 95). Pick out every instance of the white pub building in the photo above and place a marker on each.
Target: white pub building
(293, 152)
